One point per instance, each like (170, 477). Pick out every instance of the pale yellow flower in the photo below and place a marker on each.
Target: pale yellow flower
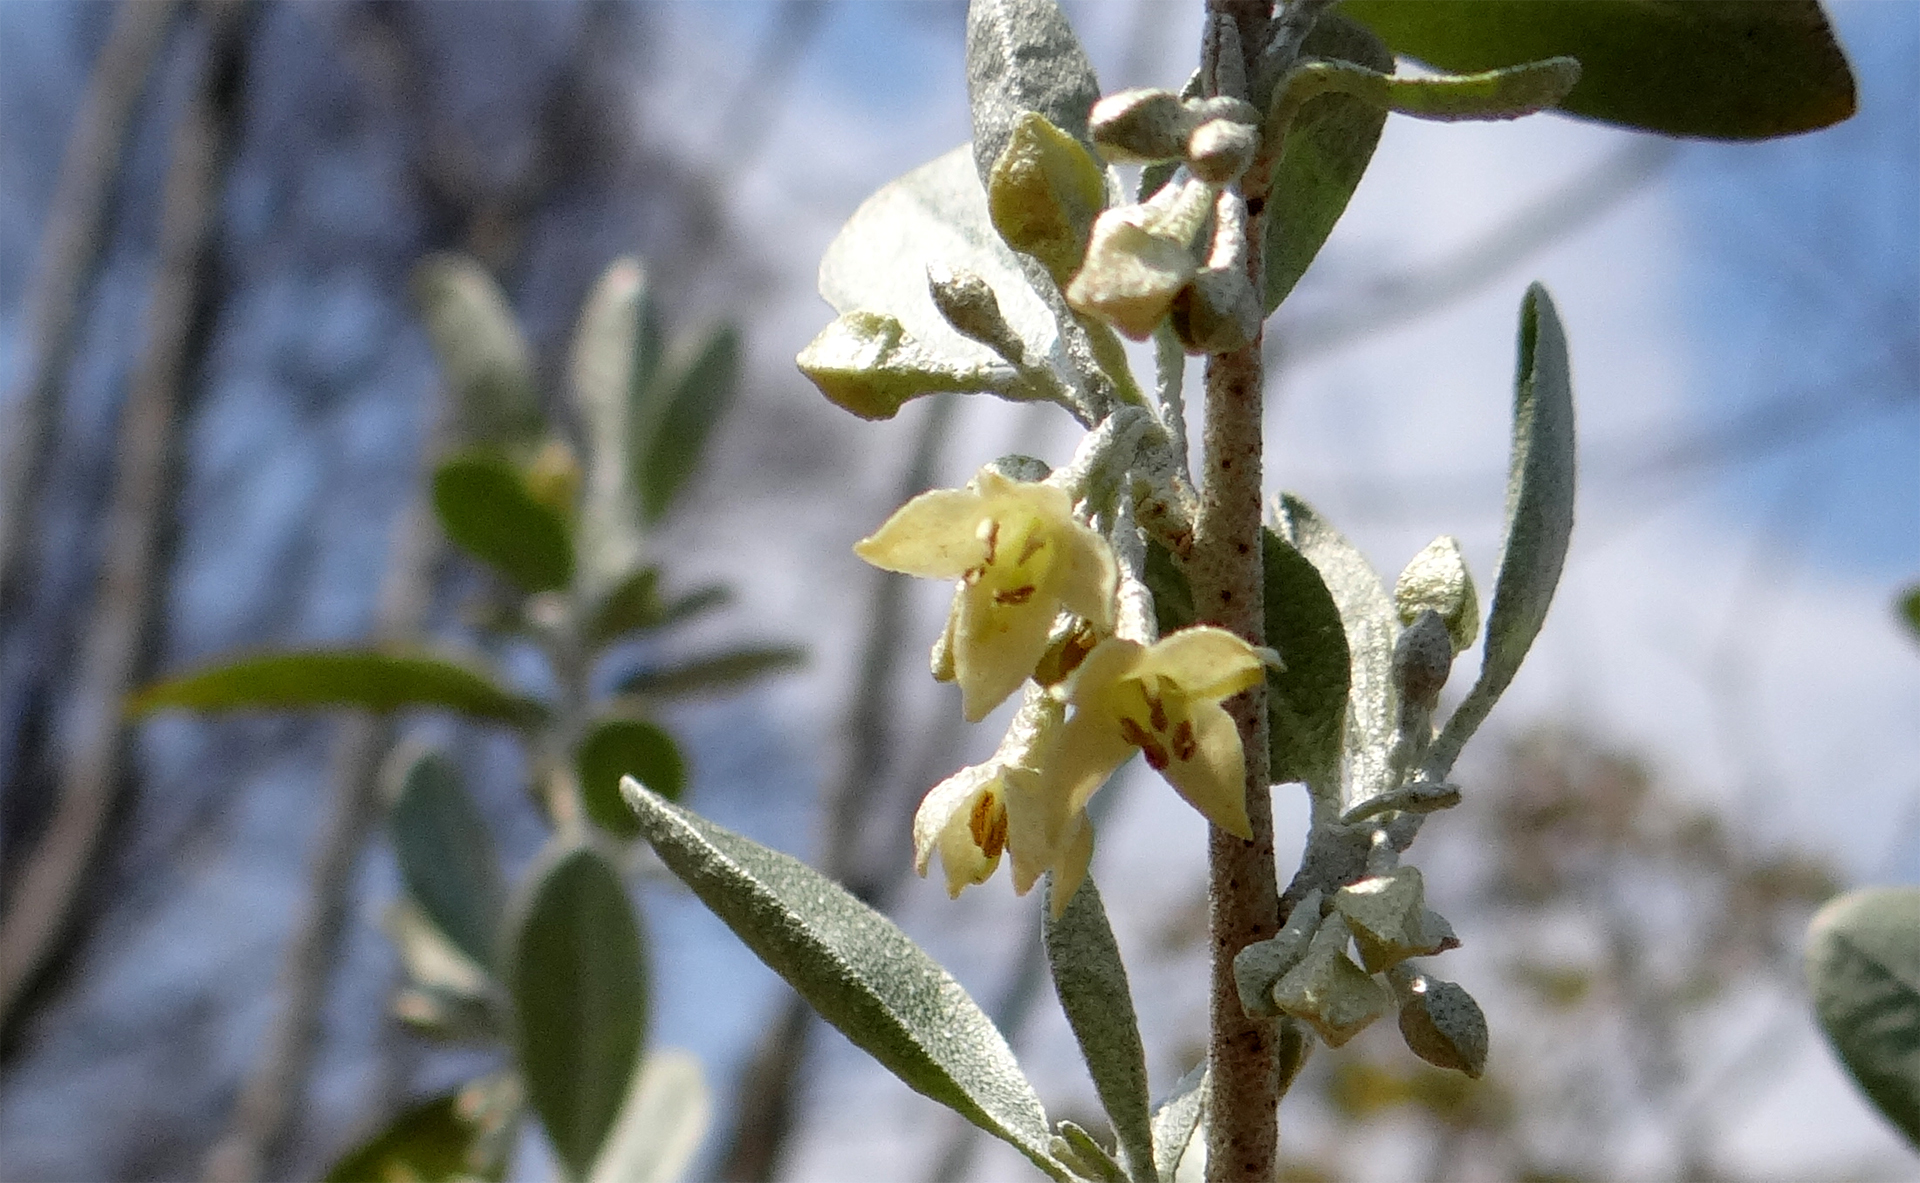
(1162, 700)
(964, 818)
(1020, 558)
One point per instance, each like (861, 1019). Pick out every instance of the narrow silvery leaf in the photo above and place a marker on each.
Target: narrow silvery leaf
(486, 363)
(1092, 983)
(1863, 965)
(1327, 149)
(1022, 56)
(1307, 701)
(615, 349)
(1540, 479)
(1367, 614)
(577, 976)
(661, 1125)
(857, 969)
(1177, 1119)
(447, 857)
(936, 214)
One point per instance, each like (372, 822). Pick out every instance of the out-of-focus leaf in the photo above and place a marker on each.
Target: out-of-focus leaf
(374, 680)
(857, 969)
(484, 505)
(1307, 701)
(1540, 480)
(1172, 595)
(687, 405)
(936, 214)
(447, 857)
(458, 1136)
(715, 674)
(1863, 965)
(1367, 615)
(432, 961)
(577, 975)
(635, 605)
(1177, 1119)
(1721, 69)
(1022, 56)
(488, 367)
(626, 747)
(1092, 983)
(1909, 606)
(1328, 147)
(616, 353)
(661, 1124)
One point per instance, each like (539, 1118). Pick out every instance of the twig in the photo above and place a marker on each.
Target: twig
(69, 249)
(43, 906)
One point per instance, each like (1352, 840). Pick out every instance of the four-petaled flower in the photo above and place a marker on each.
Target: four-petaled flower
(1020, 557)
(1164, 701)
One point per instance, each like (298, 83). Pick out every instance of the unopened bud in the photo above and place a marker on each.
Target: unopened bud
(969, 305)
(1327, 991)
(1422, 659)
(1438, 579)
(1441, 1022)
(1141, 126)
(553, 477)
(1219, 150)
(1043, 194)
(1257, 967)
(1390, 919)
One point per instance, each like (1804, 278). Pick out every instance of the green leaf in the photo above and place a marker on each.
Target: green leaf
(1327, 149)
(484, 505)
(1540, 480)
(1092, 983)
(447, 857)
(616, 351)
(309, 679)
(1306, 702)
(714, 674)
(1022, 56)
(857, 969)
(1172, 594)
(486, 362)
(577, 976)
(461, 1135)
(626, 747)
(1177, 1120)
(1863, 964)
(1367, 616)
(1909, 608)
(660, 1127)
(634, 605)
(936, 214)
(1722, 69)
(686, 408)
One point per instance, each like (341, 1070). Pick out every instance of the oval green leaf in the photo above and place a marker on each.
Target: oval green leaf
(447, 857)
(1327, 149)
(461, 1135)
(673, 434)
(1307, 701)
(1540, 481)
(1091, 981)
(486, 362)
(1367, 617)
(484, 506)
(626, 747)
(857, 969)
(1863, 965)
(374, 680)
(1719, 69)
(577, 976)
(717, 673)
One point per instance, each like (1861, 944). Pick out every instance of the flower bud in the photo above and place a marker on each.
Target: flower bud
(1422, 659)
(1327, 991)
(1258, 966)
(1044, 193)
(1390, 919)
(1218, 312)
(1438, 579)
(1219, 150)
(1141, 126)
(969, 305)
(1441, 1022)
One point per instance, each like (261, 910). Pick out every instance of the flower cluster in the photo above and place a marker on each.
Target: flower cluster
(1036, 602)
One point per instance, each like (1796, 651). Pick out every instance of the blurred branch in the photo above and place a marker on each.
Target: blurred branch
(70, 247)
(42, 908)
(767, 1091)
(1405, 296)
(269, 1100)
